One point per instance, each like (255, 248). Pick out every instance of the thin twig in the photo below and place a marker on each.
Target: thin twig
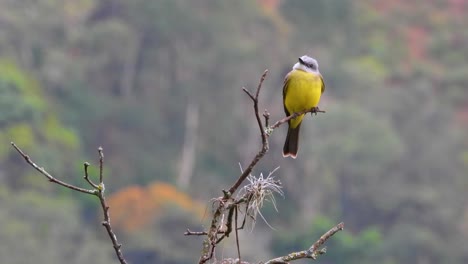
(310, 253)
(48, 176)
(229, 220)
(266, 115)
(326, 236)
(101, 164)
(195, 233)
(86, 176)
(237, 237)
(278, 123)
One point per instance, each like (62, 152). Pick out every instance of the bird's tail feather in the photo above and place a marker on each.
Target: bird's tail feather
(291, 145)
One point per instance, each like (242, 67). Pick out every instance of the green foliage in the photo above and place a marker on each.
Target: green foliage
(369, 144)
(20, 95)
(29, 122)
(167, 250)
(317, 19)
(36, 226)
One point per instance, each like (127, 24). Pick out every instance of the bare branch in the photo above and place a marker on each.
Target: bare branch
(97, 191)
(195, 233)
(312, 252)
(48, 176)
(326, 236)
(106, 223)
(248, 93)
(265, 147)
(313, 110)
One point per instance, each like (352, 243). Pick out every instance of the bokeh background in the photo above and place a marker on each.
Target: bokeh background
(157, 84)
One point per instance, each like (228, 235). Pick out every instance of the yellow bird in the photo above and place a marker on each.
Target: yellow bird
(303, 87)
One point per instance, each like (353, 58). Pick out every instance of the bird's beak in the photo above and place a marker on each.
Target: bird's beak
(301, 61)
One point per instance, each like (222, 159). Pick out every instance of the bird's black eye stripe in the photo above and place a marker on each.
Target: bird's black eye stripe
(311, 65)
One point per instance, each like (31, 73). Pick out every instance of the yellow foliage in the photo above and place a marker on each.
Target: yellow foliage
(371, 65)
(465, 157)
(78, 9)
(27, 117)
(54, 131)
(22, 134)
(136, 207)
(28, 87)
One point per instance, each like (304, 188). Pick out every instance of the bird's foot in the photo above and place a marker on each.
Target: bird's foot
(315, 110)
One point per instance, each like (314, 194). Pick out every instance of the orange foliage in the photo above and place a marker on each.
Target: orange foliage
(417, 40)
(271, 9)
(462, 116)
(414, 22)
(136, 207)
(386, 6)
(270, 4)
(458, 7)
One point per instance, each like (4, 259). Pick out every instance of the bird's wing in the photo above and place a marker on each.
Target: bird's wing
(323, 84)
(285, 85)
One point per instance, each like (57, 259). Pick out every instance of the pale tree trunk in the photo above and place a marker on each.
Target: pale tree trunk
(187, 160)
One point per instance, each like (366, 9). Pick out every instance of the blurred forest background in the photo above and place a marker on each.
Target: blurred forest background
(157, 83)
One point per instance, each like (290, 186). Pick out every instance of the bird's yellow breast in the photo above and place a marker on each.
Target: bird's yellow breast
(302, 91)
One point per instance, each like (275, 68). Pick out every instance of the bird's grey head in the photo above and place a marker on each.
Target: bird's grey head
(307, 64)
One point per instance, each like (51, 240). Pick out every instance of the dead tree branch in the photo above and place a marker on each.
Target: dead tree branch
(98, 191)
(219, 228)
(312, 252)
(265, 146)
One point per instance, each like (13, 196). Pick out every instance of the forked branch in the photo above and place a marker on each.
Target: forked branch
(98, 191)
